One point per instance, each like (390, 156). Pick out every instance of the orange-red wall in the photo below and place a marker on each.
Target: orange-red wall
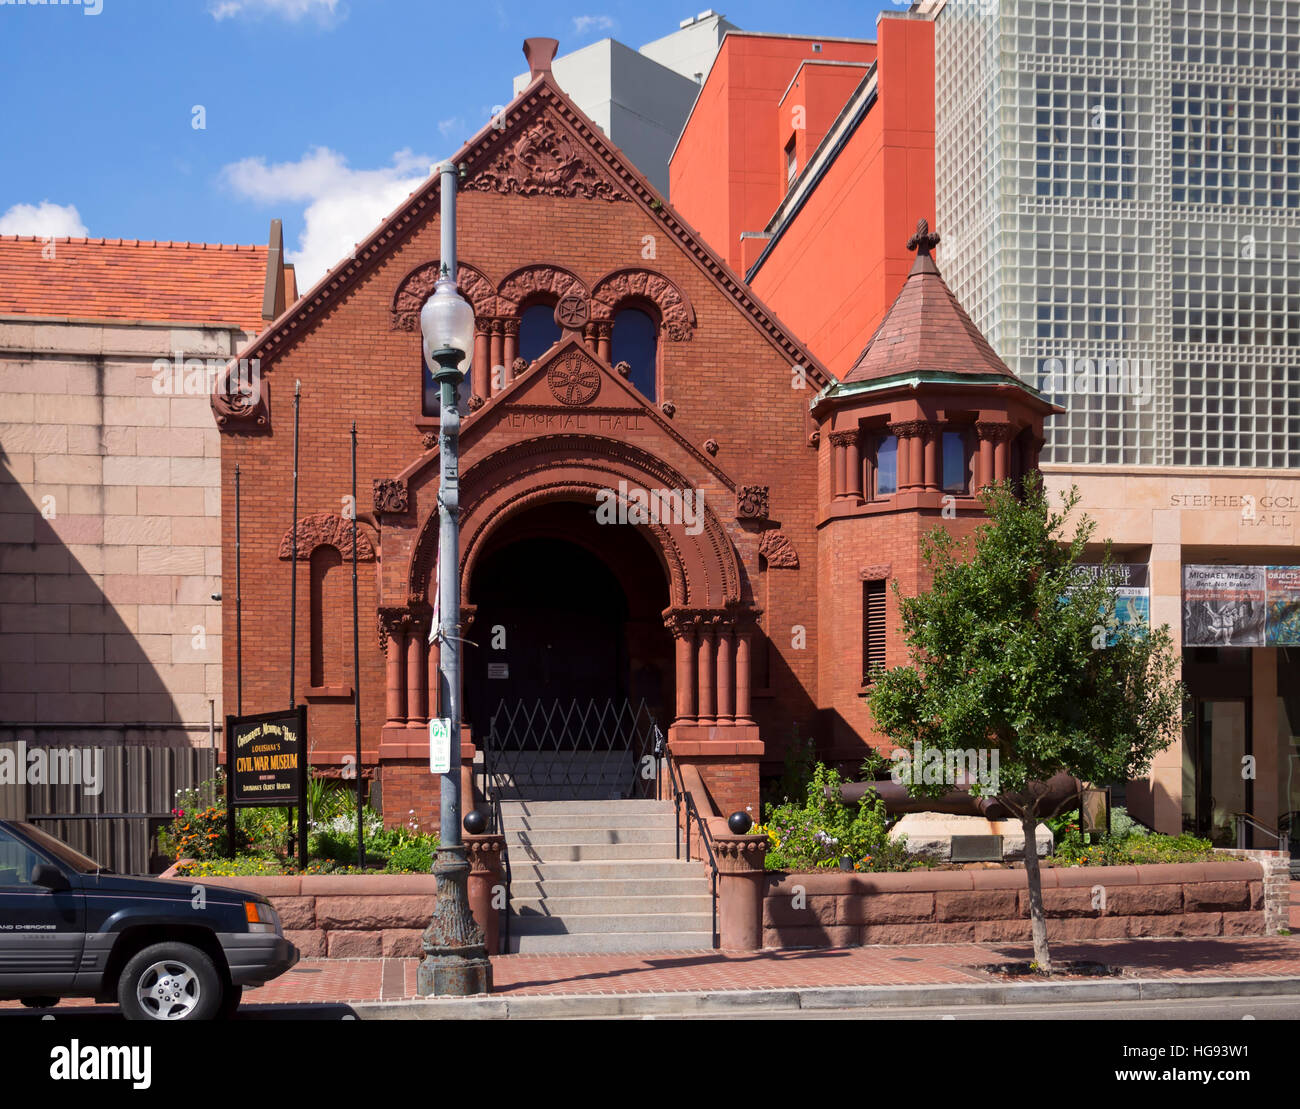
(726, 176)
(843, 259)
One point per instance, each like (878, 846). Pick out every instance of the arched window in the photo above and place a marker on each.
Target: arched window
(328, 633)
(635, 340)
(538, 331)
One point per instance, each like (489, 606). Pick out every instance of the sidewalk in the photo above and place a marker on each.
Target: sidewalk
(934, 974)
(318, 980)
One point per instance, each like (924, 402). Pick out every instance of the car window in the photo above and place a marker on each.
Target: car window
(82, 864)
(16, 861)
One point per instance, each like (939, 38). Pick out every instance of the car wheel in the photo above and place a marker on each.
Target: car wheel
(230, 1000)
(169, 981)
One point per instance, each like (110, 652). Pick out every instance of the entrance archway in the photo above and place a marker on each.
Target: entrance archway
(572, 666)
(567, 609)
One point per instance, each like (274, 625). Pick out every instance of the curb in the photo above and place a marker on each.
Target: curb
(690, 1002)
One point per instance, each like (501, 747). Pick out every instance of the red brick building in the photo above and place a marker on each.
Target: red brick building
(618, 361)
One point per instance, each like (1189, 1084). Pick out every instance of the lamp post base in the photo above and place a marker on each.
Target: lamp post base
(455, 962)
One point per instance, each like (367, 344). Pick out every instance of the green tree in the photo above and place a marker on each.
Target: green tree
(1014, 651)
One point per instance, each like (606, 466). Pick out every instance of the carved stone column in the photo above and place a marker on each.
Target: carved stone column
(726, 677)
(744, 640)
(994, 440)
(497, 356)
(511, 347)
(481, 371)
(930, 439)
(848, 465)
(416, 678)
(741, 885)
(705, 659)
(903, 475)
(392, 638)
(684, 642)
(604, 338)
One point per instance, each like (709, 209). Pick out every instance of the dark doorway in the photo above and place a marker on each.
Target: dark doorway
(567, 610)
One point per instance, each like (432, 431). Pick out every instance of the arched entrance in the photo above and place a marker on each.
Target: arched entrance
(572, 663)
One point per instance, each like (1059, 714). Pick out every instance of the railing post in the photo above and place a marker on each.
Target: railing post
(741, 885)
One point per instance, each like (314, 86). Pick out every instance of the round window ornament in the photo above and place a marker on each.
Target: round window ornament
(574, 381)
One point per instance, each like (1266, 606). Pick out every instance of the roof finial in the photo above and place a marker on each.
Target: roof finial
(540, 52)
(923, 241)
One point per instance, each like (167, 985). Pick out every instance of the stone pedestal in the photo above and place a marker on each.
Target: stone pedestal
(740, 891)
(486, 869)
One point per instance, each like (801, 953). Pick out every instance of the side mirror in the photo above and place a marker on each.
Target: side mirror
(49, 876)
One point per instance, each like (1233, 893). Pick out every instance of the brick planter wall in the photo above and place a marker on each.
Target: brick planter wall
(347, 916)
(836, 909)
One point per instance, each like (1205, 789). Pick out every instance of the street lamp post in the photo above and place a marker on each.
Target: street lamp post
(455, 959)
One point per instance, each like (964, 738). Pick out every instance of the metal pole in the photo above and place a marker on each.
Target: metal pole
(293, 555)
(356, 658)
(293, 584)
(455, 956)
(239, 606)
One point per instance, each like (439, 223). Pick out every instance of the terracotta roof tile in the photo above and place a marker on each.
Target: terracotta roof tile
(925, 329)
(214, 283)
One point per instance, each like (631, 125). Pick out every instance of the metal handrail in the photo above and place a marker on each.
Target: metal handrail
(1244, 818)
(491, 796)
(682, 795)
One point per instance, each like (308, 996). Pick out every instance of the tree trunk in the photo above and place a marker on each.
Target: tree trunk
(1037, 917)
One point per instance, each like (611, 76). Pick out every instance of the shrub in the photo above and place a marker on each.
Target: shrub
(823, 828)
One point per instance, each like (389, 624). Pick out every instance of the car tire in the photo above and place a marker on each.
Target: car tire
(171, 982)
(230, 1000)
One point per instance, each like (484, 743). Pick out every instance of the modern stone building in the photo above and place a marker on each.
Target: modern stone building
(1117, 188)
(110, 546)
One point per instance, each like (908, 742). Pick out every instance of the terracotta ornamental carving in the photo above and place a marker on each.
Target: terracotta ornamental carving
(390, 495)
(574, 380)
(417, 286)
(529, 281)
(775, 546)
(752, 502)
(545, 161)
(239, 407)
(324, 529)
(675, 311)
(572, 311)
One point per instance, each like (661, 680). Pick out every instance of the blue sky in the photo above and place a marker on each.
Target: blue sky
(320, 112)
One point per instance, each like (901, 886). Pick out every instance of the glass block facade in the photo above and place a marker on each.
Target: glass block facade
(1118, 185)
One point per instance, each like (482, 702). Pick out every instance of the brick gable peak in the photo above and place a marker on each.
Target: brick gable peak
(540, 144)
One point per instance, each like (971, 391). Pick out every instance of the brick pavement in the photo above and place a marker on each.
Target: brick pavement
(343, 980)
(677, 971)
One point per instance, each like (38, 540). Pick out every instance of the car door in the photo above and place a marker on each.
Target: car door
(42, 931)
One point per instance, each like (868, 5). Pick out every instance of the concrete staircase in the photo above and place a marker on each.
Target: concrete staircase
(555, 775)
(602, 876)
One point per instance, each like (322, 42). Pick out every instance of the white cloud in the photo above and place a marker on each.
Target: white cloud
(447, 126)
(584, 23)
(45, 220)
(342, 205)
(292, 10)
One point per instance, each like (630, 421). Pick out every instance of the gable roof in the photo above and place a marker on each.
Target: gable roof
(483, 155)
(926, 330)
(129, 279)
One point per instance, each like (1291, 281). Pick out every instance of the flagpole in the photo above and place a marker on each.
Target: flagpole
(356, 659)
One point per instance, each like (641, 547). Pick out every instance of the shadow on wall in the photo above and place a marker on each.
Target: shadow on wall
(87, 722)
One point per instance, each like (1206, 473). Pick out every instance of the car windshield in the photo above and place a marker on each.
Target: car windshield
(82, 864)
